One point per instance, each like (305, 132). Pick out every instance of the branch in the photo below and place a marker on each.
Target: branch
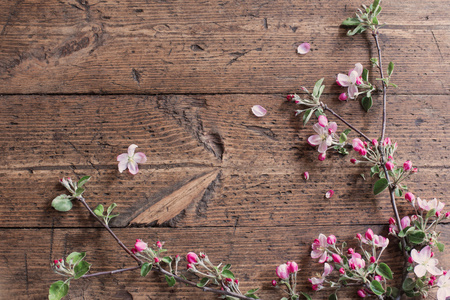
(380, 68)
(155, 268)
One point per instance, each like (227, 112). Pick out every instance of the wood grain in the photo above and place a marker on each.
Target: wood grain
(219, 47)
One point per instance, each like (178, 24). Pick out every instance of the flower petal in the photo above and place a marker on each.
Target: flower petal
(420, 270)
(314, 140)
(425, 252)
(131, 150)
(323, 240)
(323, 147)
(259, 111)
(123, 165)
(323, 258)
(133, 168)
(327, 269)
(140, 158)
(343, 80)
(352, 91)
(434, 270)
(329, 140)
(359, 69)
(316, 253)
(332, 127)
(416, 256)
(122, 157)
(319, 129)
(353, 76)
(303, 48)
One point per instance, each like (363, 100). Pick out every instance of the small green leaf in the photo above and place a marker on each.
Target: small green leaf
(252, 291)
(78, 192)
(98, 211)
(342, 138)
(366, 103)
(351, 22)
(307, 115)
(317, 87)
(226, 267)
(388, 291)
(394, 292)
(75, 257)
(374, 61)
(365, 75)
(228, 274)
(308, 297)
(390, 68)
(359, 29)
(320, 91)
(333, 297)
(58, 290)
(170, 280)
(375, 20)
(203, 282)
(440, 246)
(167, 259)
(393, 85)
(375, 4)
(405, 231)
(62, 203)
(252, 296)
(284, 298)
(374, 170)
(81, 268)
(110, 208)
(347, 131)
(83, 180)
(380, 186)
(377, 288)
(416, 237)
(408, 284)
(384, 270)
(112, 216)
(146, 267)
(431, 213)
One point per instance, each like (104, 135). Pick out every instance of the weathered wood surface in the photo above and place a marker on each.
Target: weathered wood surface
(218, 179)
(217, 46)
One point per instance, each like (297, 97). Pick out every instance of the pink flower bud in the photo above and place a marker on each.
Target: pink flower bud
(292, 266)
(358, 80)
(274, 282)
(342, 271)
(378, 278)
(414, 170)
(372, 259)
(390, 157)
(430, 282)
(447, 214)
(58, 266)
(407, 165)
(158, 244)
(361, 293)
(353, 161)
(387, 141)
(432, 254)
(343, 97)
(375, 142)
(331, 240)
(177, 256)
(228, 279)
(410, 197)
(329, 194)
(336, 258)
(306, 175)
(192, 258)
(362, 151)
(297, 101)
(389, 166)
(236, 281)
(438, 214)
(282, 271)
(157, 260)
(391, 221)
(432, 277)
(350, 250)
(369, 234)
(289, 97)
(358, 236)
(414, 218)
(189, 266)
(323, 121)
(55, 261)
(322, 156)
(134, 251)
(140, 245)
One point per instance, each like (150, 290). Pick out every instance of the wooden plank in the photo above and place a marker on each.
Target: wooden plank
(217, 47)
(253, 252)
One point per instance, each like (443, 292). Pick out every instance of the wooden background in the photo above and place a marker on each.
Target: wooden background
(82, 80)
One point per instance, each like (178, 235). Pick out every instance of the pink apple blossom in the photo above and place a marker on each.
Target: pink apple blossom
(140, 245)
(444, 286)
(410, 197)
(322, 156)
(331, 240)
(131, 160)
(390, 165)
(359, 236)
(159, 244)
(317, 282)
(352, 80)
(387, 142)
(343, 97)
(378, 278)
(357, 144)
(329, 194)
(337, 258)
(319, 247)
(282, 271)
(156, 260)
(353, 161)
(322, 139)
(429, 205)
(323, 121)
(342, 271)
(375, 142)
(192, 258)
(372, 259)
(380, 241)
(369, 234)
(274, 282)
(350, 251)
(356, 261)
(292, 266)
(407, 165)
(306, 175)
(362, 293)
(424, 262)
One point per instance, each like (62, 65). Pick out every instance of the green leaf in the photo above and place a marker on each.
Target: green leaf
(374, 61)
(333, 297)
(167, 259)
(111, 207)
(408, 284)
(375, 20)
(252, 296)
(146, 267)
(62, 203)
(308, 297)
(320, 91)
(252, 291)
(384, 270)
(375, 4)
(394, 292)
(203, 282)
(365, 75)
(342, 138)
(113, 216)
(416, 237)
(440, 246)
(78, 192)
(351, 22)
(307, 115)
(390, 68)
(431, 213)
(170, 280)
(405, 231)
(359, 29)
(366, 103)
(388, 291)
(81, 268)
(226, 267)
(347, 131)
(380, 186)
(374, 170)
(377, 288)
(284, 298)
(58, 290)
(98, 211)
(83, 180)
(317, 87)
(75, 257)
(228, 274)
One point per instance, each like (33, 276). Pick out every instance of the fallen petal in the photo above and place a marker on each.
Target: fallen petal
(303, 48)
(259, 111)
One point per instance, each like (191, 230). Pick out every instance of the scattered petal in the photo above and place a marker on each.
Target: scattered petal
(303, 48)
(329, 194)
(259, 111)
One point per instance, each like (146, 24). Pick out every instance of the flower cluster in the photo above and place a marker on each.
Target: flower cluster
(356, 81)
(327, 137)
(287, 273)
(141, 249)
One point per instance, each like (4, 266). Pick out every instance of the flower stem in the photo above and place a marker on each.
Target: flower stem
(325, 107)
(380, 68)
(110, 272)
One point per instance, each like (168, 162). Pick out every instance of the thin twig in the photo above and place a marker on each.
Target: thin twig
(110, 272)
(380, 68)
(325, 107)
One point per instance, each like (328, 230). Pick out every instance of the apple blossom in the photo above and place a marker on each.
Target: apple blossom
(306, 175)
(337, 258)
(317, 282)
(356, 261)
(444, 286)
(429, 205)
(274, 282)
(410, 197)
(407, 165)
(140, 246)
(323, 121)
(352, 80)
(319, 247)
(343, 97)
(292, 266)
(425, 262)
(362, 293)
(369, 234)
(331, 240)
(131, 160)
(329, 194)
(390, 165)
(192, 258)
(282, 271)
(322, 156)
(321, 139)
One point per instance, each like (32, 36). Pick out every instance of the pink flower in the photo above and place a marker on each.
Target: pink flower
(410, 260)
(444, 286)
(158, 244)
(356, 261)
(322, 156)
(405, 222)
(372, 259)
(282, 271)
(317, 282)
(375, 142)
(425, 262)
(259, 111)
(410, 197)
(140, 245)
(329, 194)
(391, 221)
(352, 80)
(336, 258)
(319, 247)
(131, 160)
(306, 175)
(362, 293)
(192, 258)
(387, 141)
(429, 205)
(407, 165)
(357, 144)
(342, 271)
(292, 266)
(274, 282)
(378, 278)
(303, 48)
(369, 234)
(343, 97)
(322, 138)
(331, 240)
(390, 165)
(353, 161)
(156, 260)
(323, 121)
(359, 236)
(350, 251)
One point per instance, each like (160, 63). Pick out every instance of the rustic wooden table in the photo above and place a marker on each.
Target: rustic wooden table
(82, 80)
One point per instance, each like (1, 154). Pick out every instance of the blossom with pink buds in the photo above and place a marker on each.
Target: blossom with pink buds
(387, 142)
(410, 197)
(158, 244)
(372, 259)
(319, 247)
(390, 165)
(131, 160)
(444, 286)
(323, 121)
(342, 271)
(192, 258)
(352, 80)
(337, 258)
(375, 142)
(306, 175)
(292, 266)
(369, 234)
(343, 97)
(407, 165)
(356, 261)
(362, 293)
(322, 156)
(282, 271)
(424, 262)
(350, 251)
(331, 240)
(323, 138)
(357, 144)
(140, 246)
(317, 282)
